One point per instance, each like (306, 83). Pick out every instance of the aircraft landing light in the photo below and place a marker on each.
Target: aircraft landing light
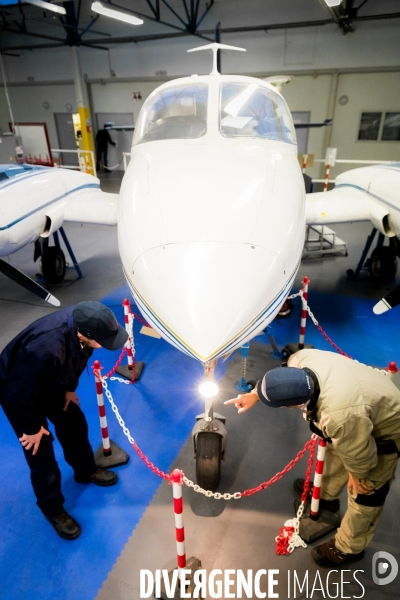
(208, 389)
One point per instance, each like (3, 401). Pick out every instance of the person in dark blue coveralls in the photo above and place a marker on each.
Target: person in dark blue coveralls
(39, 373)
(103, 138)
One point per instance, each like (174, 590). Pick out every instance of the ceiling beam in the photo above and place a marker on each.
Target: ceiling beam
(226, 30)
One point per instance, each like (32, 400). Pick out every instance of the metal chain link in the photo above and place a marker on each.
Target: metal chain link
(115, 410)
(131, 318)
(328, 339)
(115, 367)
(294, 295)
(209, 493)
(126, 431)
(142, 321)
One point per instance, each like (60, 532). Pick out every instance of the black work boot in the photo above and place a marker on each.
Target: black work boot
(331, 505)
(329, 556)
(102, 477)
(65, 526)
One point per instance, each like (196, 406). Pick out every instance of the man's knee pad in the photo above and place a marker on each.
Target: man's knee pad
(376, 498)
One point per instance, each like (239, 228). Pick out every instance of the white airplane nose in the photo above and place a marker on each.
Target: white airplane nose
(207, 298)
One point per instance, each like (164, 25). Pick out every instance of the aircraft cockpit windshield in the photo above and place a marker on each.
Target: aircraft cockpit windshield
(174, 113)
(250, 110)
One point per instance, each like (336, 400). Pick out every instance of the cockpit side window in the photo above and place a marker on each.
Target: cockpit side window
(249, 110)
(174, 113)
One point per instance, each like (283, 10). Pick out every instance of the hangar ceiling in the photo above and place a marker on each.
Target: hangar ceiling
(27, 27)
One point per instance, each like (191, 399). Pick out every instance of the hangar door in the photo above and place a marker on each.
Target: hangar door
(301, 134)
(66, 138)
(123, 138)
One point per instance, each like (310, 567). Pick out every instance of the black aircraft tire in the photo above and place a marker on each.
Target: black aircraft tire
(382, 265)
(208, 460)
(286, 309)
(53, 264)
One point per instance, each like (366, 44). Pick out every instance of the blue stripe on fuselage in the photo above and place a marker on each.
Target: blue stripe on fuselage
(21, 177)
(357, 187)
(81, 187)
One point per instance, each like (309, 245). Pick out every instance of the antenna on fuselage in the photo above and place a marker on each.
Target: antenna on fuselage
(215, 47)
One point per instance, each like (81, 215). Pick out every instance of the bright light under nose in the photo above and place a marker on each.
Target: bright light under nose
(208, 389)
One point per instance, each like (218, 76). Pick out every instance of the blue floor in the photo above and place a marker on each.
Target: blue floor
(160, 411)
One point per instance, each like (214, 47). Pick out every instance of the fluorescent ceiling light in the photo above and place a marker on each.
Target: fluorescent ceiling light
(333, 2)
(47, 6)
(99, 8)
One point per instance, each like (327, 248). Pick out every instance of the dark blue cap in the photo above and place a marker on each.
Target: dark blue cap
(97, 322)
(285, 386)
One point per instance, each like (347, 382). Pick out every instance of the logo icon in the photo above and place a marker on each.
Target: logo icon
(384, 568)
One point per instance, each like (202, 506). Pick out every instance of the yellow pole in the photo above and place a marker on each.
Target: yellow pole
(86, 145)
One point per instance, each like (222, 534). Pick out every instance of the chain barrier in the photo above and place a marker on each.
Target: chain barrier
(278, 476)
(328, 339)
(126, 431)
(108, 375)
(117, 364)
(142, 321)
(289, 536)
(208, 493)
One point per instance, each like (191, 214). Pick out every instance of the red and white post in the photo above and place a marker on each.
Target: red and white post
(305, 159)
(303, 321)
(319, 468)
(326, 182)
(102, 410)
(330, 160)
(132, 370)
(392, 369)
(127, 312)
(176, 477)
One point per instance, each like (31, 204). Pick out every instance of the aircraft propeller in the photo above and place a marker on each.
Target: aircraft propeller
(391, 300)
(27, 283)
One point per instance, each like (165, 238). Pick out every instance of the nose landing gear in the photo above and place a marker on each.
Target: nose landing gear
(209, 439)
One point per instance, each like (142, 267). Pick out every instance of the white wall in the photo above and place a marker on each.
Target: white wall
(118, 97)
(366, 92)
(27, 105)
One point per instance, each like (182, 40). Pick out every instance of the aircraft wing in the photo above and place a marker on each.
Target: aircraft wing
(91, 205)
(340, 205)
(347, 204)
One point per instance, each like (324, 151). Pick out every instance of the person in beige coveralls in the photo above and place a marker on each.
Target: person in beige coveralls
(357, 410)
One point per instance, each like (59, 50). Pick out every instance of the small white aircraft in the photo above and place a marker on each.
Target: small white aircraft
(35, 202)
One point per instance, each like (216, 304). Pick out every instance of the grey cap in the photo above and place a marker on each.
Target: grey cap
(97, 322)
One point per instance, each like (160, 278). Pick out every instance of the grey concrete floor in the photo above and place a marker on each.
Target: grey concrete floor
(238, 534)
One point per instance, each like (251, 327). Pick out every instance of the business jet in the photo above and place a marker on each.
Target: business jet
(34, 203)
